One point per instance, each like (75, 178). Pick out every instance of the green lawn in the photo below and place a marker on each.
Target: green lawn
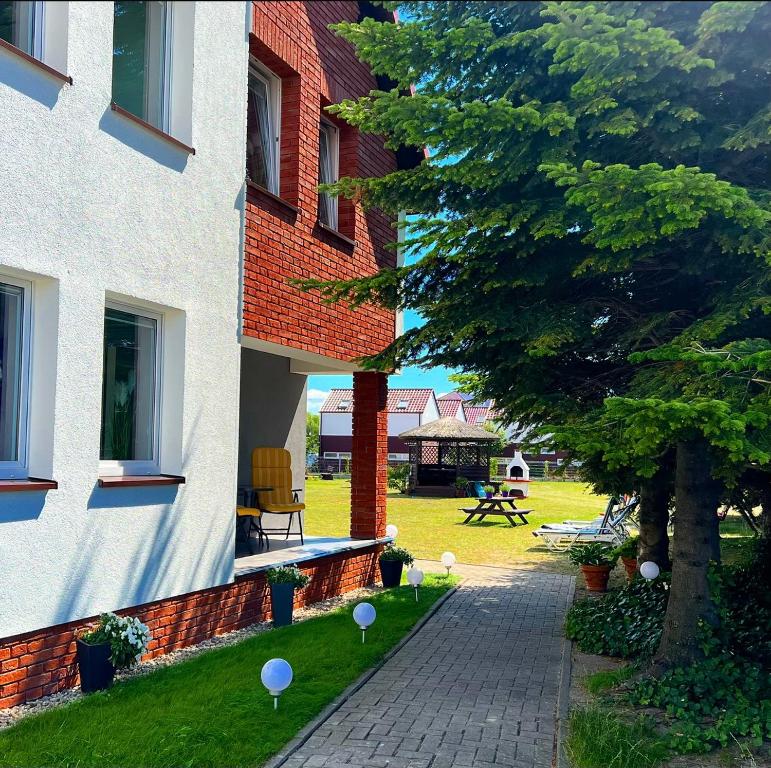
(429, 526)
(212, 710)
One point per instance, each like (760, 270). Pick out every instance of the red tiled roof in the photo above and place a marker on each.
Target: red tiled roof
(449, 407)
(450, 396)
(477, 414)
(415, 400)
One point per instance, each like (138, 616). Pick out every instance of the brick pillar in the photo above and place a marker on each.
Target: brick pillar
(369, 458)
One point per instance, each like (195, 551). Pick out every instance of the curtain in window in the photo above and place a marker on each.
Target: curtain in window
(327, 203)
(260, 139)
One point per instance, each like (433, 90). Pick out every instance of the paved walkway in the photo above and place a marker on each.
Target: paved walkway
(477, 686)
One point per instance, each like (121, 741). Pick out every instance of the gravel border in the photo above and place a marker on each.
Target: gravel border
(13, 715)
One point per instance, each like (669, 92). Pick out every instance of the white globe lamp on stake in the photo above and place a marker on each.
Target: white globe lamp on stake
(276, 676)
(448, 560)
(649, 570)
(415, 579)
(364, 614)
(392, 531)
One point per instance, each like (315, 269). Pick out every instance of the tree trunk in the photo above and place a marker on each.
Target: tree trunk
(654, 518)
(696, 499)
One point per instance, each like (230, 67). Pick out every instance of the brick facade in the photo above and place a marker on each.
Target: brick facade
(283, 238)
(42, 662)
(369, 465)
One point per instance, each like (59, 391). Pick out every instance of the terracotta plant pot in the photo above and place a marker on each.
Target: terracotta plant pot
(96, 669)
(391, 572)
(630, 566)
(596, 577)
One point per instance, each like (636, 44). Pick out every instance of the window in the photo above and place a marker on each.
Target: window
(263, 119)
(402, 405)
(141, 60)
(21, 24)
(14, 379)
(329, 151)
(130, 392)
(343, 405)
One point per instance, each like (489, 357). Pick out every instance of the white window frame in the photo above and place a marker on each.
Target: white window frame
(38, 29)
(19, 469)
(333, 140)
(112, 467)
(272, 84)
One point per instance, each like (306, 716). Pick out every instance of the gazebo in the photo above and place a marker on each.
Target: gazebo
(444, 450)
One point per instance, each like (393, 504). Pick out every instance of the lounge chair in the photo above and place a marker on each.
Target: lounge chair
(272, 468)
(611, 529)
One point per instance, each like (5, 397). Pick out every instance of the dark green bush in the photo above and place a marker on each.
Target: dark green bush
(627, 622)
(712, 702)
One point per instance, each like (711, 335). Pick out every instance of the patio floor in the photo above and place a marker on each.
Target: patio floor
(290, 551)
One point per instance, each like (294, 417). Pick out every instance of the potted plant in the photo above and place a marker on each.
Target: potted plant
(392, 561)
(505, 490)
(628, 554)
(114, 643)
(596, 561)
(283, 581)
(489, 491)
(460, 487)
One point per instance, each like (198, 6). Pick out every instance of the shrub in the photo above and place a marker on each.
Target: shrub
(629, 548)
(595, 553)
(128, 638)
(397, 553)
(714, 701)
(399, 478)
(461, 483)
(627, 622)
(288, 574)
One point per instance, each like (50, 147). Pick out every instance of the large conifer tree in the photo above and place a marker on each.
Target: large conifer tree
(595, 226)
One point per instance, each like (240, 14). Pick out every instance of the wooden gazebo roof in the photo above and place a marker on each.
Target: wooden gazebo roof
(447, 429)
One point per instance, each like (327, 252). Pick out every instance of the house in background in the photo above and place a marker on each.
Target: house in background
(151, 336)
(451, 405)
(407, 408)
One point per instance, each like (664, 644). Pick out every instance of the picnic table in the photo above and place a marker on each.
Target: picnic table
(497, 505)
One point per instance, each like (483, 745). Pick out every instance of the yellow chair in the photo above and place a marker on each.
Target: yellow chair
(272, 468)
(248, 519)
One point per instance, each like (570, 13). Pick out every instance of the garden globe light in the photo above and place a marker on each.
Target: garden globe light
(649, 570)
(364, 614)
(448, 560)
(276, 676)
(415, 579)
(392, 530)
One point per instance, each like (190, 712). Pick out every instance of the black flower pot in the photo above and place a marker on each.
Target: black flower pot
(281, 603)
(391, 572)
(96, 670)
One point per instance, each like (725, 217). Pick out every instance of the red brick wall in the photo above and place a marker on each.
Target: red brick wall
(282, 242)
(42, 662)
(369, 466)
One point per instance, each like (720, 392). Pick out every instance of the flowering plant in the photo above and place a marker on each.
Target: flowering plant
(288, 574)
(128, 638)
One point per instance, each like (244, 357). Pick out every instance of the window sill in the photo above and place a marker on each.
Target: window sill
(339, 235)
(261, 191)
(132, 481)
(28, 484)
(150, 127)
(35, 62)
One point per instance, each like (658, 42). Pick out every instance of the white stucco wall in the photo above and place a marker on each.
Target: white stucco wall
(92, 206)
(430, 412)
(336, 424)
(400, 422)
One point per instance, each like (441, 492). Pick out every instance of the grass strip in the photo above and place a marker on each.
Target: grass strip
(212, 710)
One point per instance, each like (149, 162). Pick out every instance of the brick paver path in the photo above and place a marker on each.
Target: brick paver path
(477, 686)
